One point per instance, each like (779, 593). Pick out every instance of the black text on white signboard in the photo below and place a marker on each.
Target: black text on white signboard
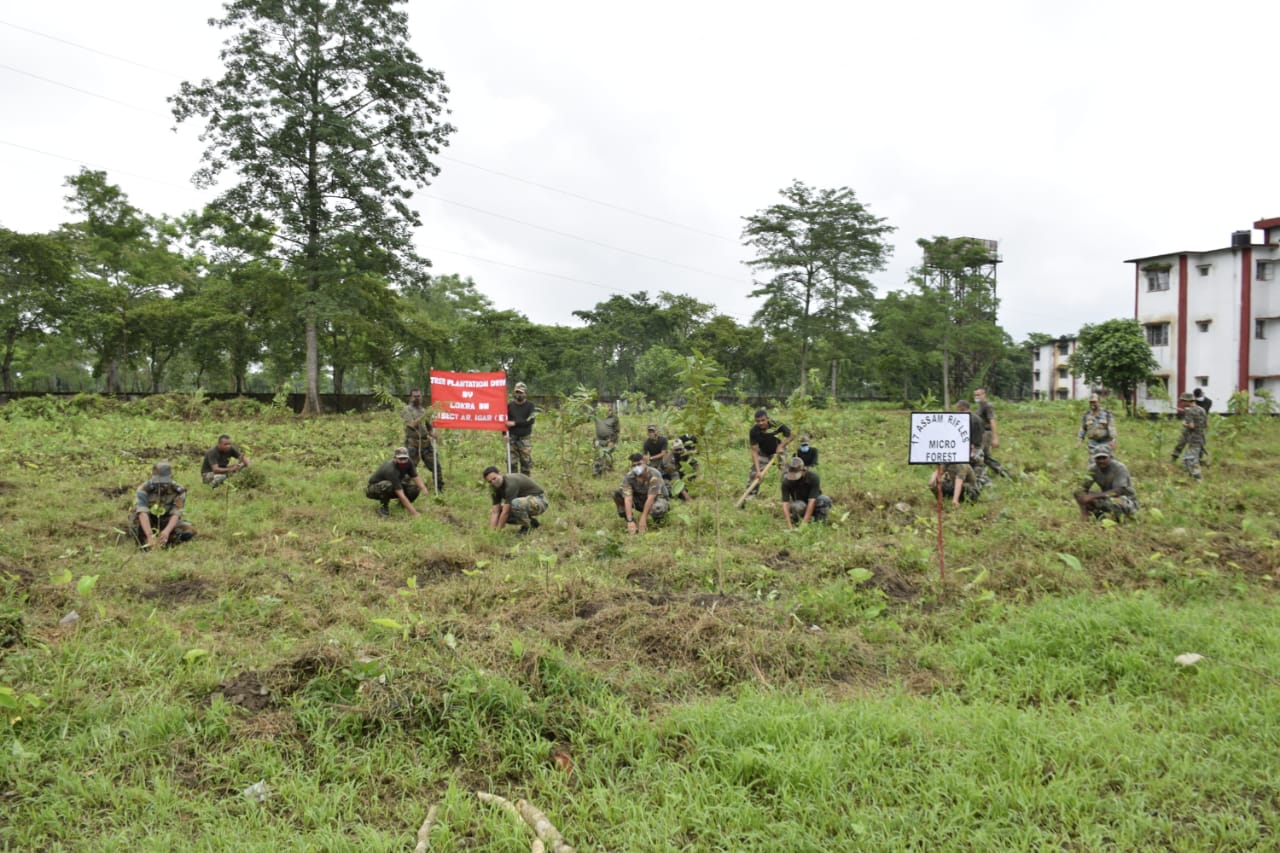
(939, 438)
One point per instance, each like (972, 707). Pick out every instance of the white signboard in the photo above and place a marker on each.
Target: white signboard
(939, 438)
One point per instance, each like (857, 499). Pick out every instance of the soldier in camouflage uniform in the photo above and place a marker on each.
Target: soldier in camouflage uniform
(516, 499)
(608, 431)
(644, 492)
(420, 436)
(520, 414)
(1098, 426)
(958, 480)
(1115, 497)
(156, 516)
(1191, 443)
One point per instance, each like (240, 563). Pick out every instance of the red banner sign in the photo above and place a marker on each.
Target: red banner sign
(469, 400)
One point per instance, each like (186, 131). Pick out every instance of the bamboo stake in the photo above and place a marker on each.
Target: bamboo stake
(759, 478)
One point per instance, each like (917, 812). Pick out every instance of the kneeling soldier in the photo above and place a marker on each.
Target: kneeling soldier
(802, 497)
(217, 465)
(643, 487)
(1116, 497)
(958, 480)
(517, 499)
(157, 510)
(397, 478)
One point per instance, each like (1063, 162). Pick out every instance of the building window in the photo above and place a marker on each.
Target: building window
(1203, 325)
(1064, 347)
(1035, 375)
(1035, 354)
(1062, 373)
(1158, 334)
(1260, 329)
(1062, 393)
(1266, 270)
(1204, 268)
(1202, 381)
(1157, 280)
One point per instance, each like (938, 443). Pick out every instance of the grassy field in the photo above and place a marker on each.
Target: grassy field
(717, 684)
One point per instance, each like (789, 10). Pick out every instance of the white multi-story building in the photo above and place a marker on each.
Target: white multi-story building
(1051, 379)
(1213, 317)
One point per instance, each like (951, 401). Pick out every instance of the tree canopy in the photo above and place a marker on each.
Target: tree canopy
(1115, 355)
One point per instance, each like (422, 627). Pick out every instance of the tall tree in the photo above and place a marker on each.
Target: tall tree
(815, 250)
(34, 270)
(330, 121)
(1115, 355)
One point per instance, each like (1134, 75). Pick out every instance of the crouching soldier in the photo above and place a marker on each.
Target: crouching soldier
(397, 478)
(157, 510)
(802, 497)
(1115, 497)
(517, 499)
(218, 464)
(643, 496)
(957, 480)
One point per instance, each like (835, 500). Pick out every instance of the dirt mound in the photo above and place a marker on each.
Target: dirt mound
(439, 568)
(116, 491)
(257, 691)
(177, 591)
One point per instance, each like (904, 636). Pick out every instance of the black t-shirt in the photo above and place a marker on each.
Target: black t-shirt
(808, 457)
(806, 489)
(521, 414)
(1204, 403)
(394, 473)
(217, 457)
(767, 439)
(654, 446)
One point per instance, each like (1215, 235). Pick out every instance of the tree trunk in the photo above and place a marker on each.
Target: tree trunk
(946, 380)
(834, 362)
(312, 405)
(6, 376)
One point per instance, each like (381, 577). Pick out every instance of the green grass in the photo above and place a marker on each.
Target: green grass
(720, 684)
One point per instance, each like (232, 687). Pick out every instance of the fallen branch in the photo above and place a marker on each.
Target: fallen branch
(425, 830)
(542, 827)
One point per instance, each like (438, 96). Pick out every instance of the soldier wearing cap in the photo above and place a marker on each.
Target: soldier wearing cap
(802, 497)
(1115, 496)
(396, 478)
(157, 510)
(807, 452)
(1191, 442)
(657, 452)
(644, 495)
(420, 435)
(520, 414)
(1098, 426)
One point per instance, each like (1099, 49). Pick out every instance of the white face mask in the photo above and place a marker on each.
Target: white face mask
(637, 470)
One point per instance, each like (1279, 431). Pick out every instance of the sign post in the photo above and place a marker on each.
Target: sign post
(939, 438)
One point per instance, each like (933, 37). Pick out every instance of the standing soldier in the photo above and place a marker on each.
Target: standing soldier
(156, 516)
(517, 499)
(990, 438)
(608, 431)
(420, 436)
(1098, 426)
(765, 445)
(643, 495)
(520, 415)
(1191, 443)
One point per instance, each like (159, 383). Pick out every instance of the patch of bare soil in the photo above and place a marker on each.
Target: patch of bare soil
(1245, 559)
(259, 691)
(779, 561)
(439, 568)
(5, 486)
(115, 491)
(894, 585)
(178, 591)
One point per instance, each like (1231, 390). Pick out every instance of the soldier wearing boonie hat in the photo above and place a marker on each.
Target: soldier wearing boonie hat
(1191, 442)
(802, 497)
(1097, 426)
(156, 517)
(1115, 497)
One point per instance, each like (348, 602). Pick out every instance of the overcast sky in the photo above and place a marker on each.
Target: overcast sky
(1076, 134)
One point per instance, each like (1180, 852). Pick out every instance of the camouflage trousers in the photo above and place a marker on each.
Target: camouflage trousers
(522, 450)
(183, 532)
(423, 454)
(821, 509)
(385, 491)
(604, 456)
(660, 505)
(215, 480)
(1118, 507)
(523, 509)
(1191, 458)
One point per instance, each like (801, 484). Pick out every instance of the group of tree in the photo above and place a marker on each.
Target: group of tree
(302, 271)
